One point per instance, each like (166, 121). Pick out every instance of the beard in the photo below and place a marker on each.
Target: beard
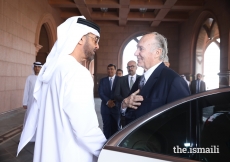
(88, 51)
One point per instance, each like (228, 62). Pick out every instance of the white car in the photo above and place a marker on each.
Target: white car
(195, 128)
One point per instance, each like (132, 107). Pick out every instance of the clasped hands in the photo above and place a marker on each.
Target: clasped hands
(111, 103)
(133, 101)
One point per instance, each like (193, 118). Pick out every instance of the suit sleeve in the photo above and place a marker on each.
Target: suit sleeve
(117, 92)
(102, 95)
(179, 89)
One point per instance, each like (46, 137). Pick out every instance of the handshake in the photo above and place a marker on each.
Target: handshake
(111, 103)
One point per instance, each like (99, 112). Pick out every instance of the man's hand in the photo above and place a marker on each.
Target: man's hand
(24, 106)
(133, 101)
(111, 103)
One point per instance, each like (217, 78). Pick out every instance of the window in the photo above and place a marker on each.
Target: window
(128, 55)
(212, 66)
(201, 125)
(162, 133)
(215, 127)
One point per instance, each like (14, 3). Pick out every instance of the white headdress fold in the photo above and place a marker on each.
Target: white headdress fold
(69, 34)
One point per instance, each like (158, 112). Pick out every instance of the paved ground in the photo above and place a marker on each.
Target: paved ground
(10, 129)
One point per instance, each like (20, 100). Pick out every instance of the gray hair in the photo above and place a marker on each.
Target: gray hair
(166, 58)
(160, 42)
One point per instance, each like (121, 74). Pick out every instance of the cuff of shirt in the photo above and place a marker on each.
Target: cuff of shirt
(123, 110)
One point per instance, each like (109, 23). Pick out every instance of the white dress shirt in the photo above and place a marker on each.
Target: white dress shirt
(113, 77)
(134, 78)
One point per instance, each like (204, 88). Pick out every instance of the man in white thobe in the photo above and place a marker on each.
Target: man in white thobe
(66, 123)
(29, 89)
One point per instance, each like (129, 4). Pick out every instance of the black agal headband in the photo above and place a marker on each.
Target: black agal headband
(88, 23)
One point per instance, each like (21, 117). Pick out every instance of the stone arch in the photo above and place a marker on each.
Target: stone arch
(126, 41)
(206, 29)
(50, 25)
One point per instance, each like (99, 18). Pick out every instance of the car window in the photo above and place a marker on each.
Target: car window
(163, 134)
(214, 128)
(198, 129)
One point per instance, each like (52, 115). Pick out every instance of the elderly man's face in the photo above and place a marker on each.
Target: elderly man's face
(132, 67)
(91, 45)
(147, 56)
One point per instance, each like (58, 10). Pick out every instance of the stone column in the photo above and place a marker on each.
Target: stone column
(224, 78)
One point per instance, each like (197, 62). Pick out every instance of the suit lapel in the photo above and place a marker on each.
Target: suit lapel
(152, 80)
(127, 81)
(114, 83)
(107, 83)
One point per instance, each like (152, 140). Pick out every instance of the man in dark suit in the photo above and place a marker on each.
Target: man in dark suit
(119, 73)
(159, 85)
(124, 85)
(197, 85)
(110, 111)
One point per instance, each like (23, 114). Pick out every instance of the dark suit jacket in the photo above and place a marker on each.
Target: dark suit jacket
(162, 87)
(105, 91)
(122, 89)
(193, 86)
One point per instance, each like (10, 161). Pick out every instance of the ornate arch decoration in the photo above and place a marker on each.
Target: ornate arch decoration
(126, 41)
(205, 32)
(50, 25)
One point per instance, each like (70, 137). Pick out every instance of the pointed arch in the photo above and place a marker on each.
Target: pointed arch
(50, 25)
(206, 29)
(124, 44)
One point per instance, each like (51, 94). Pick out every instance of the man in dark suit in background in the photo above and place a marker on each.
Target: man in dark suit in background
(110, 111)
(124, 85)
(159, 85)
(197, 85)
(119, 73)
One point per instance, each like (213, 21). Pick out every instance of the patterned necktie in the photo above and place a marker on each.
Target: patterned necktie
(131, 83)
(142, 82)
(111, 83)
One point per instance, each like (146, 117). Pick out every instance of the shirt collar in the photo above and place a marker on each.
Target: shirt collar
(112, 77)
(134, 76)
(148, 73)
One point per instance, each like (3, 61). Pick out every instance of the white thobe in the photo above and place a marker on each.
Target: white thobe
(67, 124)
(28, 94)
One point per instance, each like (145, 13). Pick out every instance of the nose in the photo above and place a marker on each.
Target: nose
(97, 46)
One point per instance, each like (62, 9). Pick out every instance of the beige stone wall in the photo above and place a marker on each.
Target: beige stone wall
(18, 24)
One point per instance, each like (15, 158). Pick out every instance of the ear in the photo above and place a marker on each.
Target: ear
(158, 52)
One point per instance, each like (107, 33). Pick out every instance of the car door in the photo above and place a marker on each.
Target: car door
(213, 128)
(173, 132)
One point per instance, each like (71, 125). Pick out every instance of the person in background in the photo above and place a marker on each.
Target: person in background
(188, 82)
(119, 73)
(28, 97)
(197, 85)
(125, 84)
(166, 61)
(109, 108)
(63, 114)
